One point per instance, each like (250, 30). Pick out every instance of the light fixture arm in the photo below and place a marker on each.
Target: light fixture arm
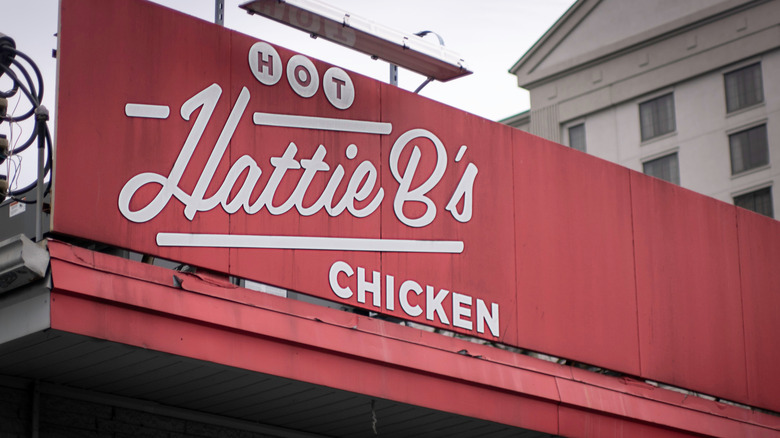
(426, 82)
(421, 34)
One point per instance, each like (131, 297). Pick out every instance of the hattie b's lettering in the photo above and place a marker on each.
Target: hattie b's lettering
(355, 199)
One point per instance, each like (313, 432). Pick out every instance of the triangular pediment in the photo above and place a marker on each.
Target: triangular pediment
(595, 28)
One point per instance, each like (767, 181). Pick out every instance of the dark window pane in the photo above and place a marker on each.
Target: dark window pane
(666, 168)
(577, 137)
(656, 117)
(759, 201)
(749, 149)
(744, 87)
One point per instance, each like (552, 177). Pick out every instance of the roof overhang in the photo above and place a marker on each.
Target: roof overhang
(130, 329)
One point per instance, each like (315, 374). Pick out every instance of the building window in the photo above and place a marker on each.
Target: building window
(759, 201)
(666, 168)
(577, 137)
(657, 116)
(744, 88)
(749, 149)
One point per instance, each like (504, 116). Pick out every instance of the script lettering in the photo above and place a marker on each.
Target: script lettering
(360, 185)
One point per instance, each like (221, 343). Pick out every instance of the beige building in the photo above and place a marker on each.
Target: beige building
(687, 91)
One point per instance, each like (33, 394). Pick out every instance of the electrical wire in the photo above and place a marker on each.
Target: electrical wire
(35, 68)
(21, 148)
(29, 92)
(25, 145)
(11, 93)
(34, 95)
(15, 162)
(13, 156)
(15, 194)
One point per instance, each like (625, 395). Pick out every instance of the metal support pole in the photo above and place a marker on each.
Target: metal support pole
(394, 68)
(393, 74)
(41, 117)
(219, 12)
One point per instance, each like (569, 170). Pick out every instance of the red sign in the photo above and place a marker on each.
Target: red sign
(184, 140)
(212, 148)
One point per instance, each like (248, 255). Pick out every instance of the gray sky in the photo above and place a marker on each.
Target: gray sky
(489, 35)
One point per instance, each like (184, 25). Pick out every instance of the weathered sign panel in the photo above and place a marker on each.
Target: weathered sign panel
(184, 140)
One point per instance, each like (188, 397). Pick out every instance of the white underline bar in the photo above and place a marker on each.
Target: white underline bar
(147, 111)
(313, 243)
(322, 123)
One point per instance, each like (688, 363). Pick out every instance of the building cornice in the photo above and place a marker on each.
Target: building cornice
(555, 34)
(530, 76)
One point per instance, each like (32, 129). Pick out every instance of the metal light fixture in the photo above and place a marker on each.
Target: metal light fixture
(21, 262)
(321, 20)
